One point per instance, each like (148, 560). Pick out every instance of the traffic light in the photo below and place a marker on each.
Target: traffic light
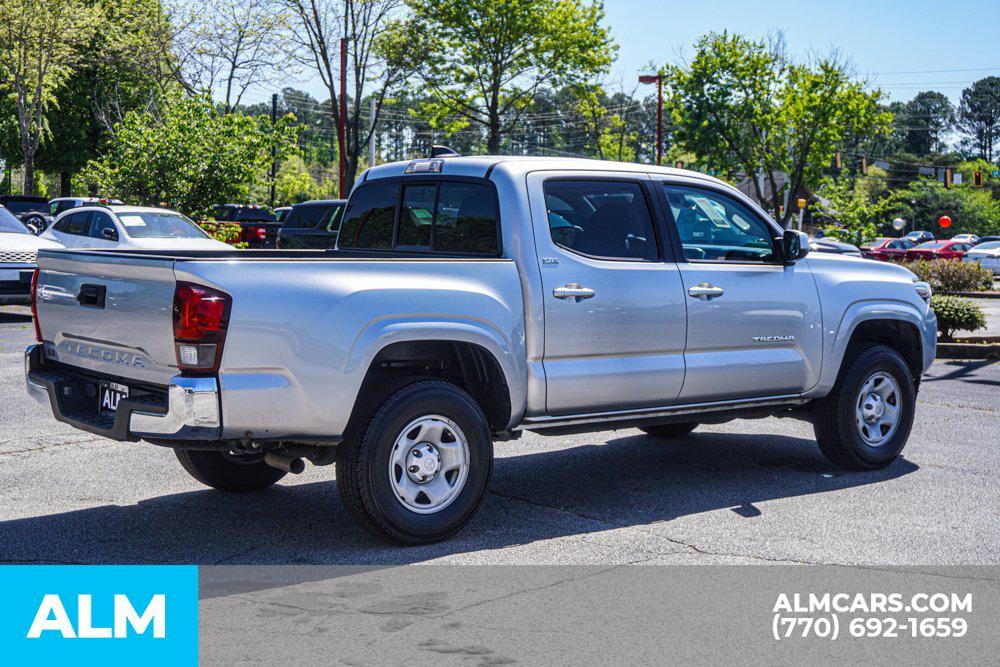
(977, 179)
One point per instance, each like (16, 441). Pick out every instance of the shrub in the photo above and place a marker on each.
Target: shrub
(952, 275)
(956, 314)
(227, 232)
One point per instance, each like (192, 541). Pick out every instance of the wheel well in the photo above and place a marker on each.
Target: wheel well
(467, 365)
(897, 334)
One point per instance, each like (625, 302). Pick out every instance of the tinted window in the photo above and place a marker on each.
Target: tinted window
(466, 219)
(417, 216)
(306, 216)
(159, 225)
(713, 226)
(600, 218)
(369, 218)
(10, 224)
(22, 206)
(57, 207)
(100, 222)
(332, 218)
(74, 223)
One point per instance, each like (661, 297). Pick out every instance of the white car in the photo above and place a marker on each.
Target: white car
(966, 238)
(987, 254)
(18, 247)
(129, 228)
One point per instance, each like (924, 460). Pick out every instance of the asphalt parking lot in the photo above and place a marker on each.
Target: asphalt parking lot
(744, 492)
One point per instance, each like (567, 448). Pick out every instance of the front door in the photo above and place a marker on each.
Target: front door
(754, 324)
(613, 304)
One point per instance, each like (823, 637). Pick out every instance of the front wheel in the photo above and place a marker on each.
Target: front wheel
(865, 421)
(228, 472)
(418, 469)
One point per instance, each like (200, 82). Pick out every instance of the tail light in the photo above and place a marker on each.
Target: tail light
(201, 318)
(34, 305)
(252, 233)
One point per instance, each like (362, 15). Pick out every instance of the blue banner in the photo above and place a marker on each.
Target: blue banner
(106, 614)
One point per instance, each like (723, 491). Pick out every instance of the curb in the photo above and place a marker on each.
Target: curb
(968, 351)
(973, 295)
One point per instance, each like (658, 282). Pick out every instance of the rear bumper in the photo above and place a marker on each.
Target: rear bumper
(189, 409)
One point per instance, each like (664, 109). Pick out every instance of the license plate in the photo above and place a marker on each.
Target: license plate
(110, 394)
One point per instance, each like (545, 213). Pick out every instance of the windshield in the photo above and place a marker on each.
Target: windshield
(989, 245)
(10, 224)
(931, 245)
(160, 225)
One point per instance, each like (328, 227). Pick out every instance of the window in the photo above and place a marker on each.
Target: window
(369, 218)
(306, 216)
(608, 219)
(98, 223)
(715, 227)
(446, 216)
(466, 219)
(74, 223)
(331, 218)
(10, 224)
(159, 225)
(416, 217)
(57, 207)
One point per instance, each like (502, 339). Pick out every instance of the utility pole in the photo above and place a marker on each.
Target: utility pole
(343, 112)
(274, 149)
(371, 139)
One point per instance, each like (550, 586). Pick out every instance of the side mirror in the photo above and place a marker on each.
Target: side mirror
(109, 234)
(794, 245)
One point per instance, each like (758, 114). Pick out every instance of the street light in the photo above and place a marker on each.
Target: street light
(658, 80)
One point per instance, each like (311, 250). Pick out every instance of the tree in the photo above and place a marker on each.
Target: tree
(188, 156)
(743, 106)
(40, 46)
(924, 123)
(856, 212)
(979, 116)
(375, 53)
(482, 60)
(233, 45)
(972, 211)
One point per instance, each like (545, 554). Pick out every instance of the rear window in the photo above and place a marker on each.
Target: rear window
(20, 206)
(445, 216)
(74, 223)
(305, 216)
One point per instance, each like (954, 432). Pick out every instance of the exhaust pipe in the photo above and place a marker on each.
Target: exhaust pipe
(284, 462)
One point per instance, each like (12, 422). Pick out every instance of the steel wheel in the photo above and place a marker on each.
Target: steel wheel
(429, 464)
(877, 409)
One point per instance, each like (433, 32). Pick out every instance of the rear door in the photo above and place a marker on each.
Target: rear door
(109, 314)
(613, 304)
(754, 324)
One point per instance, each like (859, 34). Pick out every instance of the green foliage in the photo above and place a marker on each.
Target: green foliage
(294, 183)
(188, 156)
(227, 232)
(979, 116)
(856, 214)
(482, 60)
(744, 106)
(956, 314)
(952, 275)
(971, 211)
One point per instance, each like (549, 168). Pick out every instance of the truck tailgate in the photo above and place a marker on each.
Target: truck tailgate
(108, 313)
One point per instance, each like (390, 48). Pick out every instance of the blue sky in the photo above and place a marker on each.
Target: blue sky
(900, 46)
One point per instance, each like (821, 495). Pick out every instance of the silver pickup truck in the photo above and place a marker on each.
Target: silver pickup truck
(468, 299)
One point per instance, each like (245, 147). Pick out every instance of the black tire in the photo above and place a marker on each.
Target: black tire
(226, 472)
(363, 460)
(835, 421)
(670, 430)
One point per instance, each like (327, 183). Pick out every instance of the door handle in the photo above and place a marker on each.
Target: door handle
(573, 291)
(704, 291)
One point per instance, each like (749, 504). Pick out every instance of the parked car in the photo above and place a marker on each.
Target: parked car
(971, 239)
(259, 226)
(129, 228)
(282, 212)
(885, 249)
(987, 239)
(454, 313)
(987, 254)
(18, 247)
(938, 250)
(311, 224)
(60, 204)
(29, 209)
(832, 245)
(919, 236)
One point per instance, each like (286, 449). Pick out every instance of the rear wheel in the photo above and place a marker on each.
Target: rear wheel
(418, 469)
(228, 472)
(670, 430)
(866, 420)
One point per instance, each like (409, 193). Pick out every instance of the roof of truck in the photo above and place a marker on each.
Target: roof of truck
(481, 166)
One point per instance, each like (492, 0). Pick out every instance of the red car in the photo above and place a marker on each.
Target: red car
(939, 250)
(885, 249)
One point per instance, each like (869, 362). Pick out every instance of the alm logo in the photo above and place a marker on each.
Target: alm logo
(52, 617)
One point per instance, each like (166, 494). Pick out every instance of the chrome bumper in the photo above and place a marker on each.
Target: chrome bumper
(191, 410)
